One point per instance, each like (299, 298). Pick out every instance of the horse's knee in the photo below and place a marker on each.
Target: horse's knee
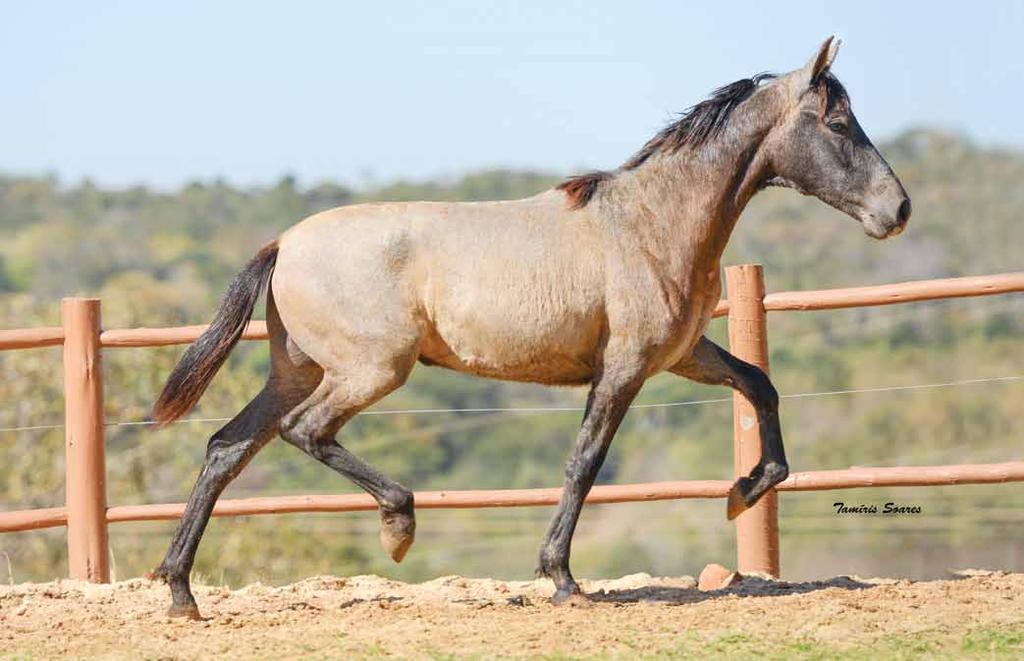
(760, 389)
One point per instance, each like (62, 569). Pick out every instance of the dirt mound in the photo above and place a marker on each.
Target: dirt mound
(637, 615)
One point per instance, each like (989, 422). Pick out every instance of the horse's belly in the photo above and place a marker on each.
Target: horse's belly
(513, 344)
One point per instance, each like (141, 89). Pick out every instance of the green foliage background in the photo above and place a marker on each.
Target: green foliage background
(160, 259)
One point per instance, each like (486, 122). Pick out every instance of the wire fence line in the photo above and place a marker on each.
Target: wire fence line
(564, 409)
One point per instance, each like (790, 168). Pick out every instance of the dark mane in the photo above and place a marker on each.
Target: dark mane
(694, 128)
(701, 122)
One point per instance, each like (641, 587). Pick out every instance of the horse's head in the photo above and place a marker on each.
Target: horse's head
(819, 149)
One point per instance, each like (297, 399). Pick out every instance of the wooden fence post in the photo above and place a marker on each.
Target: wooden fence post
(85, 470)
(757, 529)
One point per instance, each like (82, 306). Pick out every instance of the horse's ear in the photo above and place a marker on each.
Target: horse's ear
(821, 61)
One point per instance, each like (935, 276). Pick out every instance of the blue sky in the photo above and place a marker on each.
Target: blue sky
(164, 93)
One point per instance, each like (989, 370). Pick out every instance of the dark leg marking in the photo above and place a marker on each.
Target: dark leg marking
(227, 453)
(312, 429)
(607, 403)
(714, 365)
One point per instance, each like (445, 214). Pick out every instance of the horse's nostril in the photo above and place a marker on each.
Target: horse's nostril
(903, 215)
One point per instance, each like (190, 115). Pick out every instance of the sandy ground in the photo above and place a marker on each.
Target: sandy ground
(454, 617)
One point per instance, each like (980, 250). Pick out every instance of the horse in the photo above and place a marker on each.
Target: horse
(604, 280)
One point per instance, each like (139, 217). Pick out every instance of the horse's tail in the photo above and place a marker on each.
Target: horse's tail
(205, 356)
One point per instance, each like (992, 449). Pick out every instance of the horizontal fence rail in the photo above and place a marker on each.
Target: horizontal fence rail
(823, 299)
(161, 337)
(31, 338)
(848, 478)
(903, 292)
(86, 514)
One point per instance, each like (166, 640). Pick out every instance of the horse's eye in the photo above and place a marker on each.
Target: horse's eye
(837, 126)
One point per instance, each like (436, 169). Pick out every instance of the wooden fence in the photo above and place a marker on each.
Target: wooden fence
(86, 513)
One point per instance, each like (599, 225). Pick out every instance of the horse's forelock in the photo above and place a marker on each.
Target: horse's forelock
(830, 92)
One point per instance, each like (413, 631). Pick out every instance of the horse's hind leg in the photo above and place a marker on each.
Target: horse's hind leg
(293, 377)
(714, 365)
(227, 453)
(312, 426)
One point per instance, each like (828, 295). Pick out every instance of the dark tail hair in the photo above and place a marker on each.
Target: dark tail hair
(205, 356)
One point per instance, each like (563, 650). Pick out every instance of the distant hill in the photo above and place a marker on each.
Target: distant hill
(58, 240)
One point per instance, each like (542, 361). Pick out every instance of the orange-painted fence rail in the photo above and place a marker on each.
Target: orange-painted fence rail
(849, 478)
(87, 515)
(824, 299)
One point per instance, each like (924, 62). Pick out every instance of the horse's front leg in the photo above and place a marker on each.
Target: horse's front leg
(712, 364)
(608, 401)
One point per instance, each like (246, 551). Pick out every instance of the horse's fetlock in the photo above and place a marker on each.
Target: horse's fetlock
(400, 501)
(549, 561)
(170, 574)
(159, 574)
(776, 471)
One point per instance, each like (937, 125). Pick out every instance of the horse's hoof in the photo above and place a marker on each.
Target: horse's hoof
(397, 533)
(396, 546)
(189, 612)
(736, 503)
(571, 598)
(746, 491)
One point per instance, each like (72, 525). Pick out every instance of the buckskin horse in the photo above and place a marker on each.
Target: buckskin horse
(605, 280)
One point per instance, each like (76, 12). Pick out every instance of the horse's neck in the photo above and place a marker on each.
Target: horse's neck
(685, 205)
